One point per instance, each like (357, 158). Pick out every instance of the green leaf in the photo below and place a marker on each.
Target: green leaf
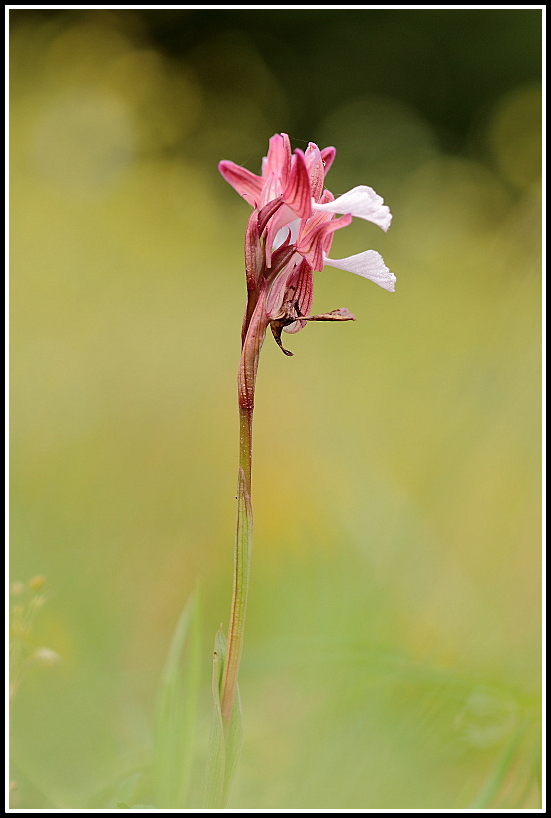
(177, 706)
(224, 746)
(494, 782)
(233, 746)
(216, 754)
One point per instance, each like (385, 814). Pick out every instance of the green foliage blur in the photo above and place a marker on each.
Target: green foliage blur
(392, 655)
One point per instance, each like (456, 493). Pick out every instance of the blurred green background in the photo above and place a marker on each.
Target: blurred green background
(392, 655)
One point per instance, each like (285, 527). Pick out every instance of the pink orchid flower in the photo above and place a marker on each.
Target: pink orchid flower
(291, 229)
(288, 237)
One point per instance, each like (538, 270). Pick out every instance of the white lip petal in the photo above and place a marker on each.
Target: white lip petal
(294, 227)
(290, 230)
(280, 237)
(362, 202)
(368, 264)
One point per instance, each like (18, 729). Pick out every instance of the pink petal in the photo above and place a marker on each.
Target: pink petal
(313, 244)
(253, 338)
(281, 217)
(361, 201)
(278, 161)
(298, 194)
(278, 288)
(282, 261)
(271, 190)
(327, 196)
(253, 251)
(315, 166)
(266, 213)
(368, 264)
(327, 156)
(303, 280)
(247, 184)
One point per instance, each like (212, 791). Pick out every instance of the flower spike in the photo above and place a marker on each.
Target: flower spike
(291, 230)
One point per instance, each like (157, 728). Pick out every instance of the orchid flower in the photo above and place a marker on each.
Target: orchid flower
(291, 229)
(288, 238)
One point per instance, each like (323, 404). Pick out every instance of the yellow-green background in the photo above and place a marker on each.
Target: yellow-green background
(392, 646)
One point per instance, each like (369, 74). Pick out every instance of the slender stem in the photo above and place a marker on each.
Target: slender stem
(254, 332)
(245, 443)
(242, 559)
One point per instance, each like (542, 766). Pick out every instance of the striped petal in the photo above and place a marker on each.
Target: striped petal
(247, 184)
(301, 292)
(298, 193)
(327, 156)
(278, 161)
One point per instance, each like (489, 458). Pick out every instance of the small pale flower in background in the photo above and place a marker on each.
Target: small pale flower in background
(46, 656)
(291, 229)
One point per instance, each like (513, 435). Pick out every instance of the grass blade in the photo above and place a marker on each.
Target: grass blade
(177, 706)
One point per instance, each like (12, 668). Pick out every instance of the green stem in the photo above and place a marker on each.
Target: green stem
(254, 333)
(242, 560)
